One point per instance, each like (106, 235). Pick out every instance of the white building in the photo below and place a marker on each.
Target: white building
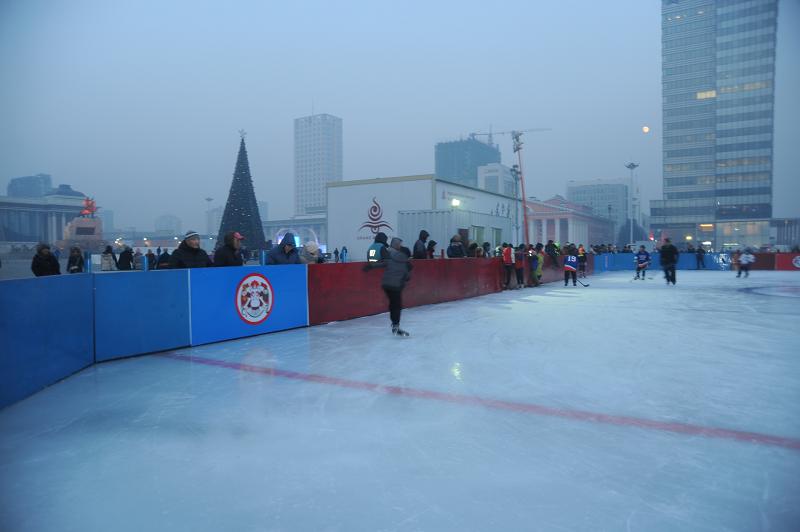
(497, 178)
(401, 206)
(317, 160)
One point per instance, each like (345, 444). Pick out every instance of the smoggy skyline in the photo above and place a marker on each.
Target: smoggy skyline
(139, 105)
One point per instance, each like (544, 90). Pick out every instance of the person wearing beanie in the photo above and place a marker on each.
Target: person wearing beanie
(44, 262)
(230, 253)
(456, 248)
(189, 253)
(310, 254)
(420, 251)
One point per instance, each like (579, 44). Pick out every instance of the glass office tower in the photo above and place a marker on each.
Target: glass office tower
(718, 100)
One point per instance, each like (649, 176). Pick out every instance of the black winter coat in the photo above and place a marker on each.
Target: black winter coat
(669, 255)
(125, 260)
(227, 256)
(456, 250)
(75, 264)
(45, 265)
(186, 257)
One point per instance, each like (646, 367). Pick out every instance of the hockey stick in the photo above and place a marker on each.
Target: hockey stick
(580, 283)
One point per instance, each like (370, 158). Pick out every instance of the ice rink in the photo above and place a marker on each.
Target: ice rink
(621, 406)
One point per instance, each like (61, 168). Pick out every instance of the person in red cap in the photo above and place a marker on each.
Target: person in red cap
(230, 253)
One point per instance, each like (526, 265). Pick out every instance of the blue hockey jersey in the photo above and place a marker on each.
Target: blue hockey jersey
(642, 258)
(570, 263)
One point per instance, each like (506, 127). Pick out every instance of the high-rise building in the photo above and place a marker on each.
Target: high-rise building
(458, 161)
(168, 225)
(718, 106)
(608, 198)
(317, 160)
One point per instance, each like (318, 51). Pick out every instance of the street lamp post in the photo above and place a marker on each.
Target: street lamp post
(515, 174)
(631, 166)
(516, 136)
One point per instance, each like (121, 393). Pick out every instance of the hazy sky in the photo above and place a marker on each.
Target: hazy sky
(138, 103)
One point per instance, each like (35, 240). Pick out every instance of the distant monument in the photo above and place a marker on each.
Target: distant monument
(241, 211)
(84, 231)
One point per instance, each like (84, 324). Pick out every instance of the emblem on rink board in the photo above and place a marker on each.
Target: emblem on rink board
(796, 262)
(254, 299)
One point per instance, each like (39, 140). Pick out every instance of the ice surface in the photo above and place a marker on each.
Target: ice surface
(158, 443)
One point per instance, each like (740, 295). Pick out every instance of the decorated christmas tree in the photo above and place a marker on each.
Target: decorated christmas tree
(241, 211)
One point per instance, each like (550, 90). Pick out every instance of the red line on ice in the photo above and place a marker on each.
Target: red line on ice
(528, 408)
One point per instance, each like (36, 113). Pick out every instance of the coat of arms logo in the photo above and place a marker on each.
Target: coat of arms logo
(254, 299)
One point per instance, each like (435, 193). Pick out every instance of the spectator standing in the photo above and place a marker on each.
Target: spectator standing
(336, 255)
(552, 251)
(230, 253)
(533, 263)
(395, 276)
(189, 254)
(699, 256)
(75, 261)
(582, 261)
(540, 266)
(456, 249)
(151, 259)
(420, 250)
(285, 252)
(108, 260)
(376, 251)
(343, 256)
(430, 251)
(125, 261)
(162, 261)
(519, 265)
(44, 262)
(669, 259)
(508, 264)
(310, 254)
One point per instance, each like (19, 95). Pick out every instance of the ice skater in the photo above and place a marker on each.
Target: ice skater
(571, 265)
(745, 260)
(397, 272)
(642, 259)
(669, 259)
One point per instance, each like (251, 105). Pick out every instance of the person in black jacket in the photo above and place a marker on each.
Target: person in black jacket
(669, 259)
(230, 253)
(75, 262)
(456, 248)
(125, 260)
(700, 257)
(44, 262)
(420, 251)
(285, 253)
(189, 253)
(395, 276)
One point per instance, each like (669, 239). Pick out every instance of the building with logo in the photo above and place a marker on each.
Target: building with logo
(458, 161)
(718, 62)
(402, 206)
(317, 161)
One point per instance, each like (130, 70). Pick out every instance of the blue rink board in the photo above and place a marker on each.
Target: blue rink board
(137, 313)
(46, 332)
(214, 313)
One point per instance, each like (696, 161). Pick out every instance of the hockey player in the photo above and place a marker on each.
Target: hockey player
(570, 265)
(745, 261)
(642, 260)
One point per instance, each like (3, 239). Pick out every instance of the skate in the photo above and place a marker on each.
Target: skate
(397, 331)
